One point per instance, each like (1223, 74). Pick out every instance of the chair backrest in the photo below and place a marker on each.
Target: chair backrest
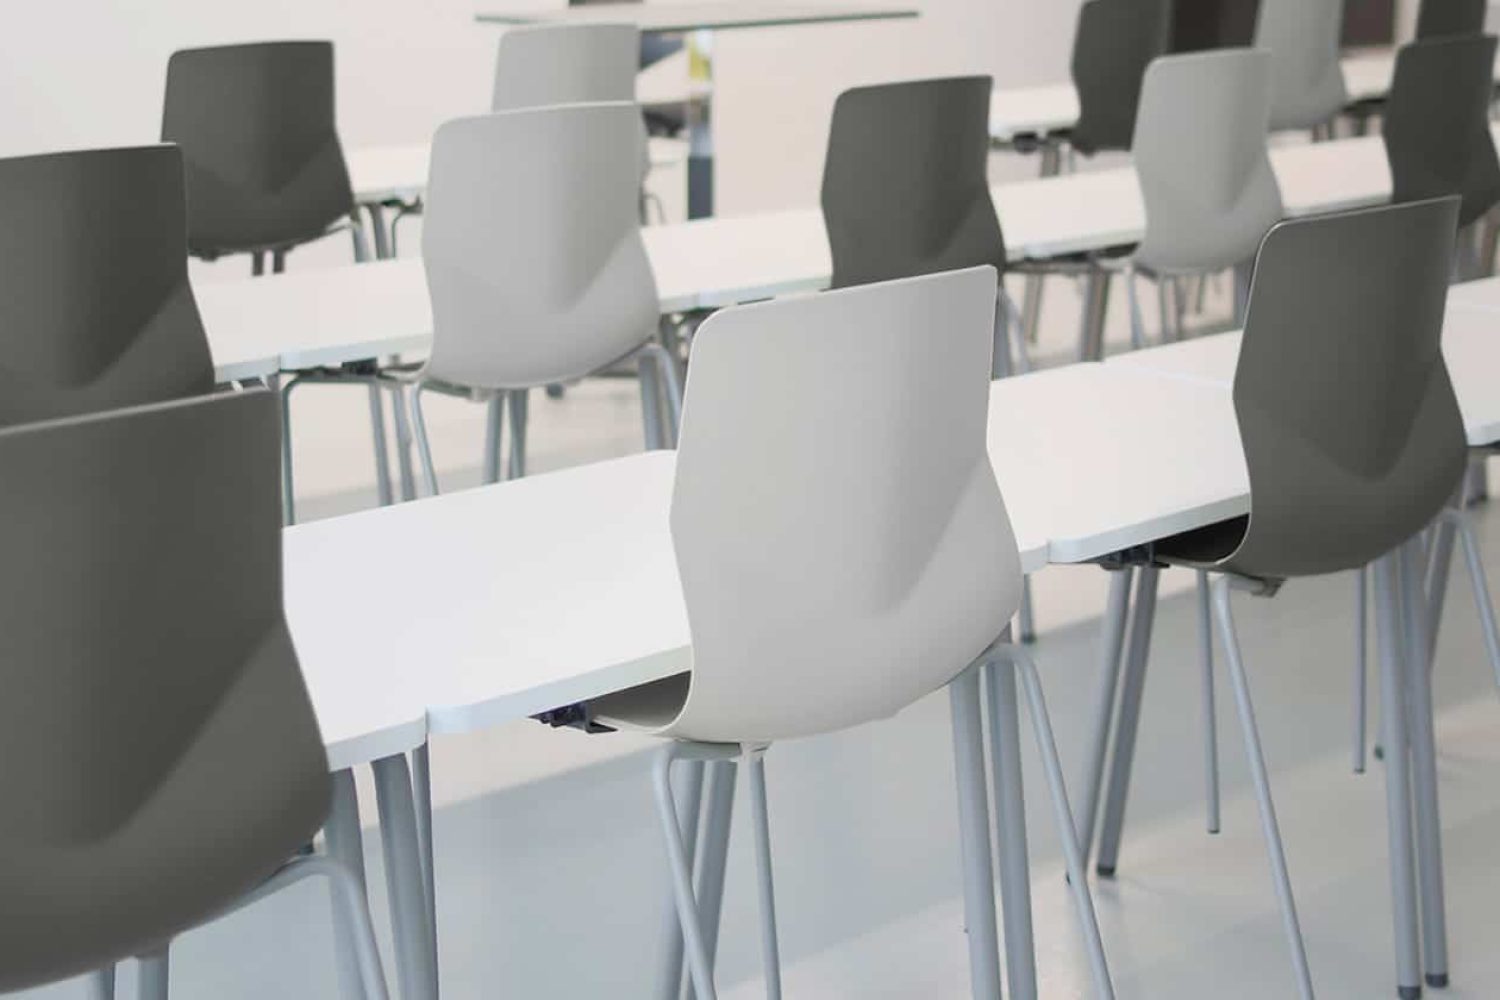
(154, 704)
(256, 127)
(1199, 25)
(1351, 430)
(1308, 80)
(1445, 18)
(843, 545)
(1200, 155)
(1437, 124)
(1113, 44)
(532, 245)
(97, 311)
(905, 190)
(545, 64)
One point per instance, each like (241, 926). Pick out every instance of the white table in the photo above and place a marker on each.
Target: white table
(509, 600)
(1471, 348)
(1098, 459)
(698, 21)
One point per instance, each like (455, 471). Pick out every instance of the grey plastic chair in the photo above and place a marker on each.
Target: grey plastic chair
(1113, 44)
(905, 189)
(844, 594)
(1447, 18)
(162, 762)
(265, 171)
(1200, 25)
(1437, 126)
(535, 264)
(1205, 173)
(906, 192)
(1353, 443)
(97, 313)
(1308, 81)
(265, 174)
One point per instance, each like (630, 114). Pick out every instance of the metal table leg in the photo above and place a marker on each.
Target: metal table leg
(1142, 619)
(346, 846)
(700, 194)
(1010, 824)
(974, 833)
(416, 960)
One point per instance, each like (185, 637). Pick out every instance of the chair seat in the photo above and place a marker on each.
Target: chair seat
(647, 706)
(1206, 547)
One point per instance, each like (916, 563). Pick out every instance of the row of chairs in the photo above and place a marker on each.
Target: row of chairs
(145, 507)
(1116, 40)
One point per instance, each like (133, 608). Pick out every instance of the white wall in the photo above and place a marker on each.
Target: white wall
(79, 73)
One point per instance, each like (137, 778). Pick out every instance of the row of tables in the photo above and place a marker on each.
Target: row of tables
(337, 315)
(502, 602)
(479, 596)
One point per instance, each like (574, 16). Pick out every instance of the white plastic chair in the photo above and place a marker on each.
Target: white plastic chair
(545, 64)
(1308, 80)
(1205, 176)
(844, 551)
(1207, 211)
(535, 264)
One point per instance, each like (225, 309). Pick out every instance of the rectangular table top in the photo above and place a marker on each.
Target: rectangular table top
(334, 315)
(489, 605)
(1471, 348)
(675, 18)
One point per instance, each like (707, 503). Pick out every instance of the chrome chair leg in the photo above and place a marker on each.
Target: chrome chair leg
(1073, 856)
(1210, 713)
(770, 952)
(424, 445)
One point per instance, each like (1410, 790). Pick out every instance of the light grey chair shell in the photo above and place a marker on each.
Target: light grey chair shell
(835, 577)
(1201, 158)
(1303, 39)
(532, 246)
(545, 64)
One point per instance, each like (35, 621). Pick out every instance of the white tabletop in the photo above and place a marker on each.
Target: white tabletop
(1098, 459)
(489, 605)
(399, 173)
(318, 317)
(675, 18)
(1471, 348)
(486, 605)
(1039, 110)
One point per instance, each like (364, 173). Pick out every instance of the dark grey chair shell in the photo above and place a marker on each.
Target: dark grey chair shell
(97, 312)
(1200, 25)
(265, 170)
(1114, 43)
(904, 185)
(1437, 124)
(1446, 18)
(158, 753)
(1351, 430)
